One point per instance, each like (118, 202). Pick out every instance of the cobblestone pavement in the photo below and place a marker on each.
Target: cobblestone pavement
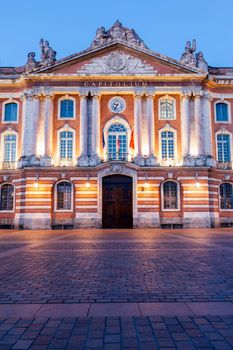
(183, 333)
(105, 266)
(190, 270)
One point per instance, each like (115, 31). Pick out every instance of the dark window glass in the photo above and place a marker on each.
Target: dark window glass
(170, 195)
(64, 191)
(7, 197)
(221, 112)
(226, 198)
(67, 109)
(11, 112)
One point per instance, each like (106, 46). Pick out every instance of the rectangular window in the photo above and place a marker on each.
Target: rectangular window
(9, 148)
(11, 111)
(223, 147)
(222, 112)
(66, 145)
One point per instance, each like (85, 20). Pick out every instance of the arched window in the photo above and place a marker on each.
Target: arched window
(9, 148)
(7, 197)
(223, 148)
(64, 196)
(226, 196)
(66, 109)
(167, 145)
(170, 195)
(11, 112)
(222, 113)
(117, 142)
(66, 145)
(167, 108)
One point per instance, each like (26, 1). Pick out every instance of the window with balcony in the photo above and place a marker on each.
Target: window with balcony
(7, 197)
(117, 142)
(64, 196)
(226, 196)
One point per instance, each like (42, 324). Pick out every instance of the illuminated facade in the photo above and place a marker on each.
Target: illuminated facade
(116, 136)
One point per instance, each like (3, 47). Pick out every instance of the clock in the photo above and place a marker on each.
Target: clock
(117, 104)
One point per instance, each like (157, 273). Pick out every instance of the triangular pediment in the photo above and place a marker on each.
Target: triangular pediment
(118, 59)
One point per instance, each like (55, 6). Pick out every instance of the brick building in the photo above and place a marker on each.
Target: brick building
(116, 136)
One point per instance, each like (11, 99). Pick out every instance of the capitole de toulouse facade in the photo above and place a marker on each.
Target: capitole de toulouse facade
(116, 136)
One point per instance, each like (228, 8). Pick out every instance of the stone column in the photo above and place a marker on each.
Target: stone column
(31, 114)
(151, 159)
(207, 130)
(95, 136)
(83, 135)
(138, 129)
(47, 129)
(197, 124)
(185, 126)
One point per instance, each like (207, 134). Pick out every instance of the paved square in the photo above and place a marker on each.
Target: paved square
(116, 289)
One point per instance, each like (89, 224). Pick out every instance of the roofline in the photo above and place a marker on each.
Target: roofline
(90, 51)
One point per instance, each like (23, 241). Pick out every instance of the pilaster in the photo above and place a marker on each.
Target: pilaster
(95, 145)
(83, 157)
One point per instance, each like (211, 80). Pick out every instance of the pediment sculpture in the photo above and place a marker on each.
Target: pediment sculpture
(117, 62)
(117, 32)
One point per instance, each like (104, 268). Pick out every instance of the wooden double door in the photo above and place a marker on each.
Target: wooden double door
(117, 211)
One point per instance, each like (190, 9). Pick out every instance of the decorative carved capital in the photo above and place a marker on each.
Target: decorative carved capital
(207, 96)
(198, 94)
(83, 93)
(138, 94)
(186, 94)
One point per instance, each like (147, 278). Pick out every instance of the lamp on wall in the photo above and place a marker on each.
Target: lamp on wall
(146, 184)
(36, 183)
(88, 185)
(197, 183)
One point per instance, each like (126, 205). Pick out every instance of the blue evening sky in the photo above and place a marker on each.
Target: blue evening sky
(70, 25)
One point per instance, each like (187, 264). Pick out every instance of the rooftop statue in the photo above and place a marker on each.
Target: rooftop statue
(201, 62)
(117, 32)
(188, 56)
(31, 62)
(48, 55)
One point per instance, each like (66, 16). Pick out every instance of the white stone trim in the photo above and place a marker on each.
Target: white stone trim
(66, 97)
(33, 215)
(11, 100)
(228, 110)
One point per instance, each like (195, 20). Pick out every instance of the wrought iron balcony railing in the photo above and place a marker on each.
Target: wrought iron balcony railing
(8, 165)
(224, 165)
(120, 156)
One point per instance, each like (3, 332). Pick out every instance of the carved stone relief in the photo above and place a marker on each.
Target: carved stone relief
(117, 62)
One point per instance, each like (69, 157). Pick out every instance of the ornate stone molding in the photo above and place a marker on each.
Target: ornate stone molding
(117, 62)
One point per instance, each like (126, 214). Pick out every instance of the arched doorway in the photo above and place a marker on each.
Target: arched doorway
(117, 202)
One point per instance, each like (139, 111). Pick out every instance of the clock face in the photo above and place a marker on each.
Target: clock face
(117, 104)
